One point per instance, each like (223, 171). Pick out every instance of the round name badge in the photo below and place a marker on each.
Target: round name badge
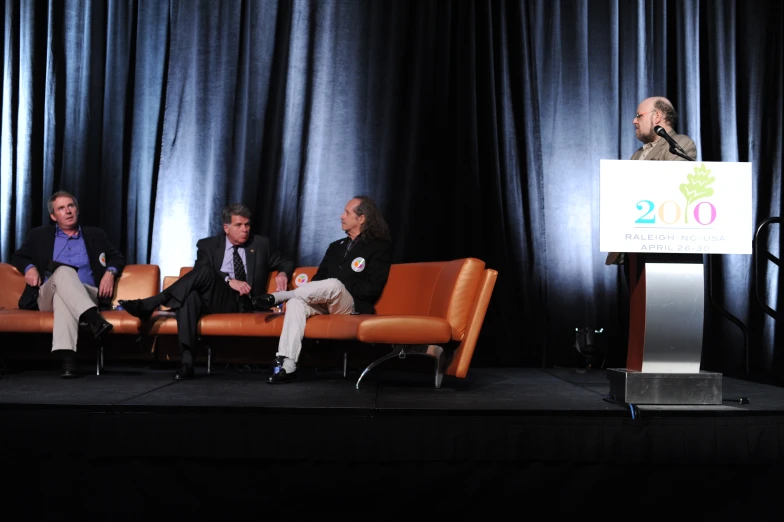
(358, 264)
(301, 279)
(102, 259)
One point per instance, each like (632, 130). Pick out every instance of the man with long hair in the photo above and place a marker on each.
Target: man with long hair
(349, 280)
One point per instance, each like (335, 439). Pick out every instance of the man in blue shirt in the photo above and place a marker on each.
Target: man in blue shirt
(73, 268)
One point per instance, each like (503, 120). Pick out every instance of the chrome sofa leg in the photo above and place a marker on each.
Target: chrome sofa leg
(402, 351)
(439, 363)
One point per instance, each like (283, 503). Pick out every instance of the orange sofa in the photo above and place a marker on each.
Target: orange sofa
(435, 309)
(136, 281)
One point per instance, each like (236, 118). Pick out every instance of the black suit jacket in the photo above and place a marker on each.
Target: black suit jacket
(365, 279)
(259, 257)
(38, 249)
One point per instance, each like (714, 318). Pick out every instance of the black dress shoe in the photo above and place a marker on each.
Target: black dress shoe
(279, 375)
(69, 365)
(68, 374)
(282, 377)
(101, 328)
(184, 373)
(263, 302)
(136, 308)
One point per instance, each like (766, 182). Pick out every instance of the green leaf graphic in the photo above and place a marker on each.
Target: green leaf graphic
(697, 187)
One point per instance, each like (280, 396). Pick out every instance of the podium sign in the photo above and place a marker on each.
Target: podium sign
(665, 215)
(675, 207)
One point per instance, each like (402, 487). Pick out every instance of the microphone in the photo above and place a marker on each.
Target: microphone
(664, 134)
(674, 147)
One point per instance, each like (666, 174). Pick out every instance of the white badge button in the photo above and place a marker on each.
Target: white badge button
(358, 264)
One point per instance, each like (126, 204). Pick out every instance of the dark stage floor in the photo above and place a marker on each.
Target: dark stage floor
(132, 444)
(242, 389)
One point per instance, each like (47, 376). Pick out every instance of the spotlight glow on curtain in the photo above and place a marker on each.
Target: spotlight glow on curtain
(477, 126)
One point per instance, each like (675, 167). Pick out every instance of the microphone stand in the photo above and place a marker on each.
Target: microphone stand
(679, 153)
(674, 147)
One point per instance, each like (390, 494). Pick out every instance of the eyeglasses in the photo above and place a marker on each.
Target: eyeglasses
(641, 114)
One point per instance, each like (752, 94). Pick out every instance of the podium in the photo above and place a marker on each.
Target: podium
(666, 240)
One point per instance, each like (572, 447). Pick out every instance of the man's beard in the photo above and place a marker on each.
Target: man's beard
(649, 138)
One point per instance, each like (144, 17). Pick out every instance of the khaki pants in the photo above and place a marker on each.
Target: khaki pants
(314, 298)
(68, 298)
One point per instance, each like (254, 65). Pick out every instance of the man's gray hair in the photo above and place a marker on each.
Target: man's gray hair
(61, 194)
(235, 209)
(668, 112)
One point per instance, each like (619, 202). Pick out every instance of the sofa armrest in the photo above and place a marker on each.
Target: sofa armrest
(461, 360)
(12, 282)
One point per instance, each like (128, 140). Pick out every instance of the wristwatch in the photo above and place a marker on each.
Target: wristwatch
(112, 270)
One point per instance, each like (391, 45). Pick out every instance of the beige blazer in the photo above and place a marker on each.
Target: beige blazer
(659, 152)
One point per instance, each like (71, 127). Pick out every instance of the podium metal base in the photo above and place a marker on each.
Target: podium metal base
(632, 387)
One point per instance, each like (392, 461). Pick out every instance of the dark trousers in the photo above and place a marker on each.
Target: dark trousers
(201, 291)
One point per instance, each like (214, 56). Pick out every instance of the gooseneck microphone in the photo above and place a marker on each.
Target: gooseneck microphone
(664, 134)
(674, 147)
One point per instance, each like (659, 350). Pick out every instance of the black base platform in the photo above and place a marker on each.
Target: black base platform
(132, 444)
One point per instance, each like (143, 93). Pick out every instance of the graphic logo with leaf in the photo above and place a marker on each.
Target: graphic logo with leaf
(697, 187)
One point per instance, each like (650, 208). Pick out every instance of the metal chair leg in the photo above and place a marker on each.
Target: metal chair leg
(394, 353)
(439, 366)
(402, 351)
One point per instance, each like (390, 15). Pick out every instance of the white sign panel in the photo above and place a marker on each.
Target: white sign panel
(685, 207)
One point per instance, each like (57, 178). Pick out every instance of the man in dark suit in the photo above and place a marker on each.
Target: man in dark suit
(349, 280)
(230, 270)
(72, 292)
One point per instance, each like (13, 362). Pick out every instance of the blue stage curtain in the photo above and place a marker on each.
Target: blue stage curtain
(478, 127)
